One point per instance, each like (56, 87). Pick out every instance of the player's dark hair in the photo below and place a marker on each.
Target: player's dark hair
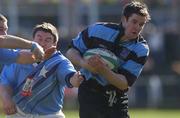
(47, 27)
(3, 18)
(135, 7)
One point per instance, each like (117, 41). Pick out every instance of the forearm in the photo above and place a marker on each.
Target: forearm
(25, 57)
(9, 41)
(74, 56)
(5, 92)
(118, 80)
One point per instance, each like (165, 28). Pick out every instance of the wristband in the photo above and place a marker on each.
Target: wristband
(67, 79)
(33, 46)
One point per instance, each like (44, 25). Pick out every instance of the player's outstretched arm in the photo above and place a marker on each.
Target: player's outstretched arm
(76, 79)
(10, 41)
(27, 57)
(13, 42)
(37, 50)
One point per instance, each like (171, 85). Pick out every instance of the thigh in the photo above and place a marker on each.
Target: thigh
(115, 112)
(91, 104)
(95, 105)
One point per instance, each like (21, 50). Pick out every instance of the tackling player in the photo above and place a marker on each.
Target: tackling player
(37, 91)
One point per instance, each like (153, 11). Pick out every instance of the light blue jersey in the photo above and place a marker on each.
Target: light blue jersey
(48, 93)
(8, 56)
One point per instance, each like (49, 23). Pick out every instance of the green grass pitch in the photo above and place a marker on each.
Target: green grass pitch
(135, 113)
(140, 113)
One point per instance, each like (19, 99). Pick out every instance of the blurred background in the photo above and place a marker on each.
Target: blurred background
(159, 84)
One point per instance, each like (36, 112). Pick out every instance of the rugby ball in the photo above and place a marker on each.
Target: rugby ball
(108, 56)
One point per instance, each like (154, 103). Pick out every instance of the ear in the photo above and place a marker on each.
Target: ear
(55, 44)
(123, 20)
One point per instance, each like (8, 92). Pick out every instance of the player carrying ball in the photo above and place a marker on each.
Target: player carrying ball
(104, 93)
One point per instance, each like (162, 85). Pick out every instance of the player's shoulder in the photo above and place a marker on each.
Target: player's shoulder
(103, 30)
(142, 43)
(62, 58)
(142, 48)
(110, 25)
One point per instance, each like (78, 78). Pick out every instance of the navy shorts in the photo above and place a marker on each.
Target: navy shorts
(97, 101)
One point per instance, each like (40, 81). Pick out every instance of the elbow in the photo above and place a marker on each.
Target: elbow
(70, 52)
(123, 83)
(123, 86)
(67, 54)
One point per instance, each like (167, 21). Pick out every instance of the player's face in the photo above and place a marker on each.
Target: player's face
(133, 25)
(3, 28)
(45, 39)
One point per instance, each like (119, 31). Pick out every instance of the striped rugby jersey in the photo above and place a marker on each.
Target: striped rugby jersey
(8, 56)
(47, 96)
(132, 54)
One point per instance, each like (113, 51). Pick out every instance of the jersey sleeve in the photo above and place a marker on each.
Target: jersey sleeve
(95, 35)
(134, 65)
(79, 41)
(65, 71)
(8, 75)
(8, 56)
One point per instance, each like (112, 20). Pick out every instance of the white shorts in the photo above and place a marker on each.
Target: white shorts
(21, 114)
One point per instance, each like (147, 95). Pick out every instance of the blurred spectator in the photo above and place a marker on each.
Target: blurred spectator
(155, 40)
(172, 41)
